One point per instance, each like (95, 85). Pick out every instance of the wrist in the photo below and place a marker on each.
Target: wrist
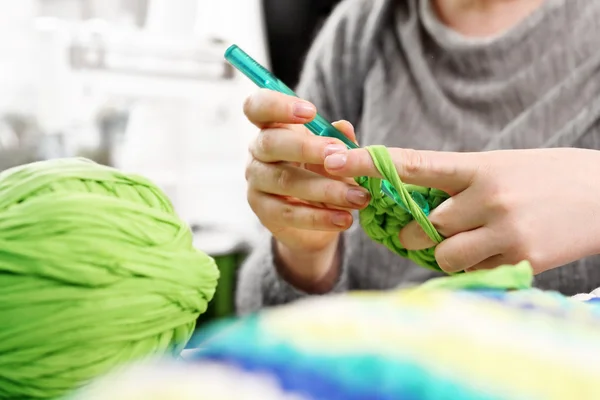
(310, 272)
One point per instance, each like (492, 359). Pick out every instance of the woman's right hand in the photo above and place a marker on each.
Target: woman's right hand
(303, 207)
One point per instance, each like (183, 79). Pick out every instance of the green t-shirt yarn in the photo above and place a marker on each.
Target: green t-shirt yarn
(383, 219)
(504, 277)
(96, 270)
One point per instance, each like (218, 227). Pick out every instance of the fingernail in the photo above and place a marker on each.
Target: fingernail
(304, 110)
(357, 197)
(334, 148)
(340, 219)
(335, 161)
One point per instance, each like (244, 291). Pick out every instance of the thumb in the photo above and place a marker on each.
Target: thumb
(447, 171)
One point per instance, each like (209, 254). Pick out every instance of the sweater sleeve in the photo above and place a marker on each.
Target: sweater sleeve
(328, 80)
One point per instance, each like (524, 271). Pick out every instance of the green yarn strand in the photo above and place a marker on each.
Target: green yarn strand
(96, 270)
(383, 219)
(384, 164)
(504, 277)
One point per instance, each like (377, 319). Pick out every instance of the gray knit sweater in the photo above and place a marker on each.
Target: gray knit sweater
(405, 80)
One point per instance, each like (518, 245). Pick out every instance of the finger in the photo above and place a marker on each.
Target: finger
(320, 169)
(491, 263)
(284, 144)
(347, 129)
(286, 180)
(447, 171)
(274, 211)
(460, 213)
(466, 250)
(266, 107)
(413, 237)
(316, 204)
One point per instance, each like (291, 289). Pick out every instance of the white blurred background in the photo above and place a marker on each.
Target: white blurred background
(137, 84)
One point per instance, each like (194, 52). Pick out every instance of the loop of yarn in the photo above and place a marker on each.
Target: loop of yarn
(96, 270)
(383, 219)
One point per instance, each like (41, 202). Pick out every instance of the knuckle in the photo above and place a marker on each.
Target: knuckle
(535, 258)
(288, 214)
(332, 194)
(499, 200)
(264, 141)
(524, 253)
(412, 162)
(250, 171)
(257, 102)
(284, 178)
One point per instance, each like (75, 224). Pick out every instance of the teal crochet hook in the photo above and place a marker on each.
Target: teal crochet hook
(319, 126)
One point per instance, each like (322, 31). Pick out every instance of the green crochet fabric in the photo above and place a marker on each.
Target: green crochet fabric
(383, 219)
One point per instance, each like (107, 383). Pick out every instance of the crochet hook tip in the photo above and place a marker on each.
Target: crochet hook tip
(389, 191)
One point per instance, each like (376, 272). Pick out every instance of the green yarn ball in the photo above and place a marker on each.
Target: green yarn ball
(96, 270)
(383, 219)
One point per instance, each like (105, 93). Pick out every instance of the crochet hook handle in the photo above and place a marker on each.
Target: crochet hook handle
(266, 80)
(319, 125)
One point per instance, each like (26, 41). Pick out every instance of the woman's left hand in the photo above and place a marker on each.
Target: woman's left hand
(538, 205)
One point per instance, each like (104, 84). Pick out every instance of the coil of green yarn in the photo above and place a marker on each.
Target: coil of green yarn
(383, 219)
(96, 270)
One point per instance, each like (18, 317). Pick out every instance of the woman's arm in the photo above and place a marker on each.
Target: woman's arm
(330, 81)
